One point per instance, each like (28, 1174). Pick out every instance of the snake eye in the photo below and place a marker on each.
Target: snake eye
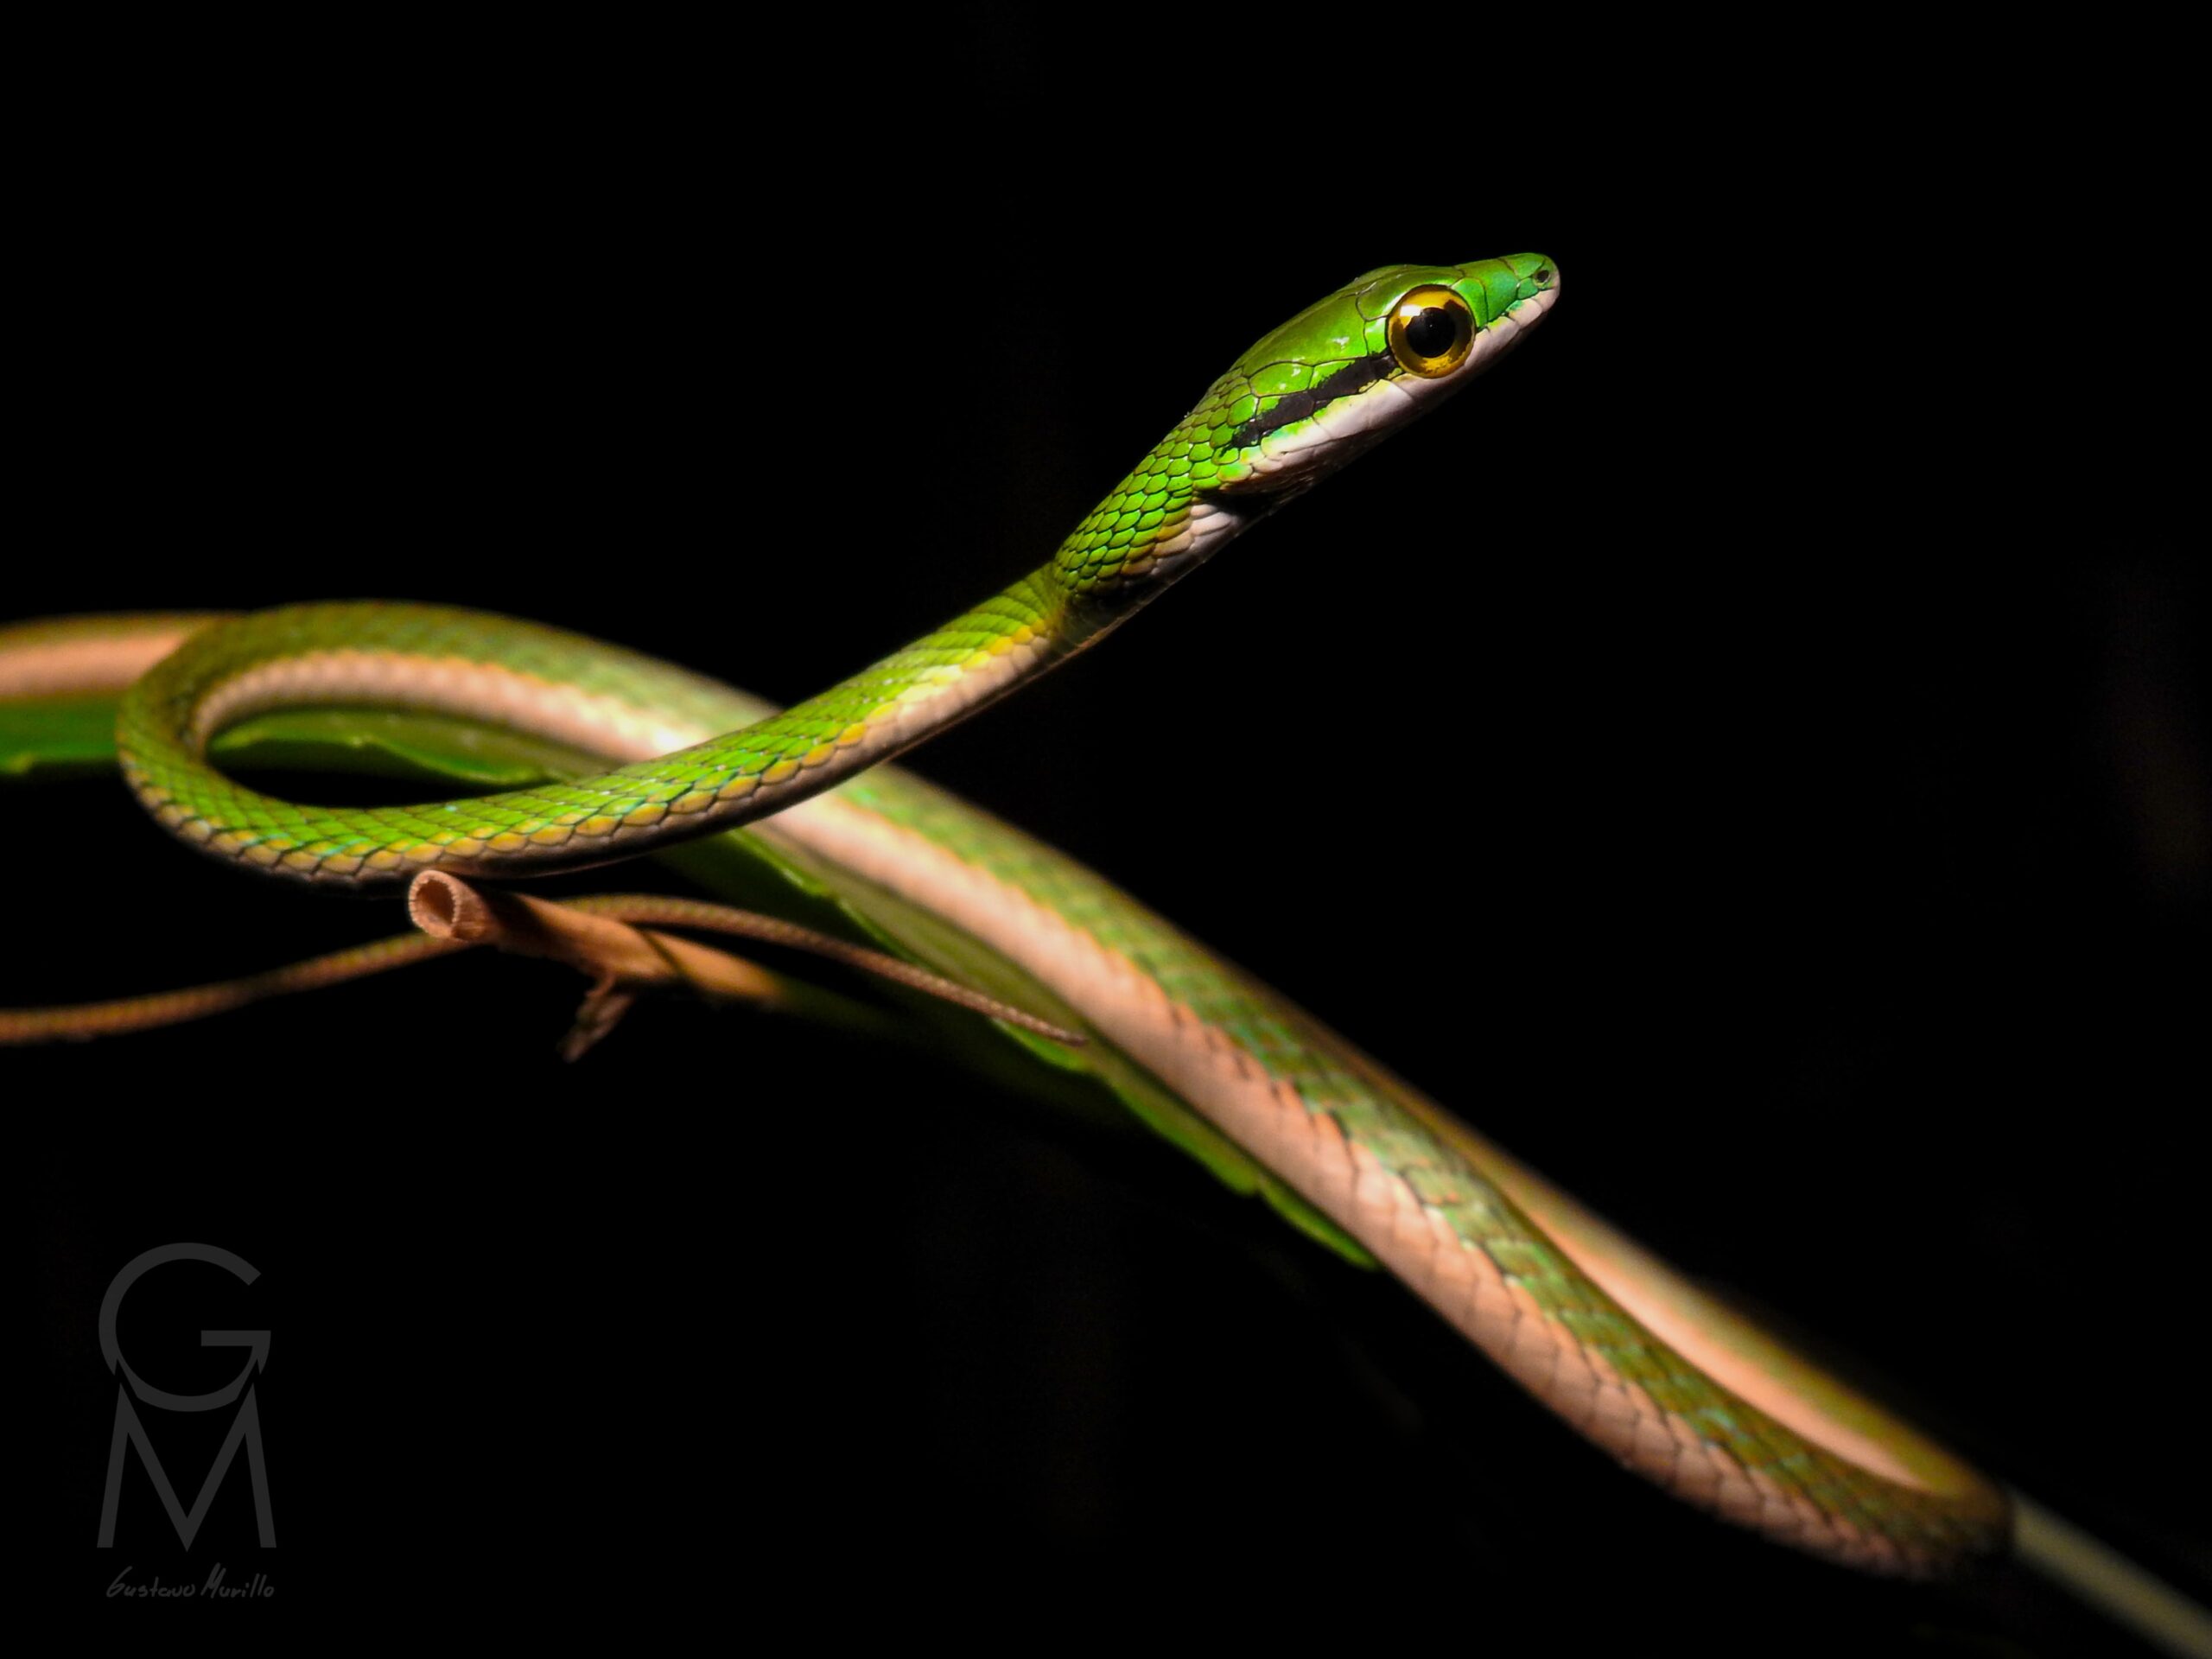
(1430, 330)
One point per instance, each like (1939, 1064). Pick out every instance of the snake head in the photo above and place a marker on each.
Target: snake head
(1305, 399)
(1344, 373)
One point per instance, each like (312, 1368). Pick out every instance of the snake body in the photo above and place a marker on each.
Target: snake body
(1301, 402)
(1653, 1373)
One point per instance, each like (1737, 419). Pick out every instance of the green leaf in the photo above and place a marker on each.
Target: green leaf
(57, 738)
(757, 869)
(390, 743)
(75, 737)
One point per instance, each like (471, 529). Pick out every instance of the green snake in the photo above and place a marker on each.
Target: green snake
(1653, 1372)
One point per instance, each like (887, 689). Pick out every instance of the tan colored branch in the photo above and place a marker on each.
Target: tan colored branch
(598, 936)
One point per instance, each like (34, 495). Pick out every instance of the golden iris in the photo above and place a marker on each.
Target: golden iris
(1430, 331)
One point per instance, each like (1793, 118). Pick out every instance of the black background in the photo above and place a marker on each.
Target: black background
(1747, 755)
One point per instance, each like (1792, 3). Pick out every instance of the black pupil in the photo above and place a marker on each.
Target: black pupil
(1430, 333)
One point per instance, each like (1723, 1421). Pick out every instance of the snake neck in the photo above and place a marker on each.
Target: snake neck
(432, 659)
(1157, 524)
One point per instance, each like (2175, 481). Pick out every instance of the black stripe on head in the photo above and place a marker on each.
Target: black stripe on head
(1355, 376)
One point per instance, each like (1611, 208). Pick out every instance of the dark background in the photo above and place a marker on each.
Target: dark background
(1747, 755)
